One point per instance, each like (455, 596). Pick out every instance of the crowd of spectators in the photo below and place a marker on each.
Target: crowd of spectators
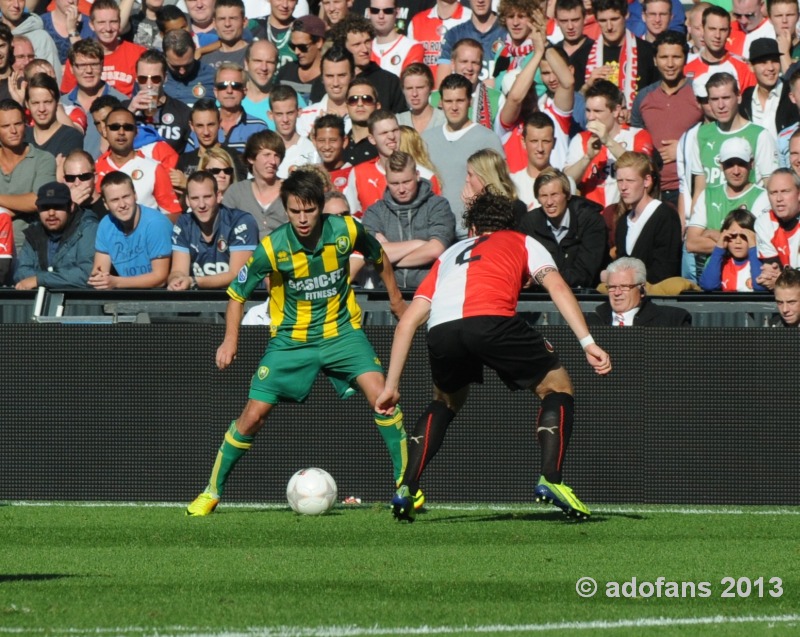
(144, 145)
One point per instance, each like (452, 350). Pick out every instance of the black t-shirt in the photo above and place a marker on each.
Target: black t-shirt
(356, 153)
(63, 142)
(289, 76)
(647, 71)
(578, 61)
(172, 123)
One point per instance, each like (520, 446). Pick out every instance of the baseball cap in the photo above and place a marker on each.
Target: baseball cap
(53, 195)
(310, 24)
(735, 148)
(761, 48)
(699, 86)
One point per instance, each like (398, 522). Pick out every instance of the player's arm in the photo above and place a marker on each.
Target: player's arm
(386, 272)
(226, 352)
(567, 305)
(416, 314)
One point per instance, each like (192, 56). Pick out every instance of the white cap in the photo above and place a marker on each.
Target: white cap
(699, 86)
(735, 148)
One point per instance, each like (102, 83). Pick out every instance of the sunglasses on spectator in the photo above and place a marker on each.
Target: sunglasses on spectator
(355, 99)
(236, 86)
(225, 171)
(155, 79)
(384, 11)
(128, 128)
(70, 179)
(303, 48)
(747, 16)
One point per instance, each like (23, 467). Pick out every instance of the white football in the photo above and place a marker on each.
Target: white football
(311, 491)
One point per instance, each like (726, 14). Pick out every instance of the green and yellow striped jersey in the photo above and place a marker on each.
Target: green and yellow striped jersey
(310, 293)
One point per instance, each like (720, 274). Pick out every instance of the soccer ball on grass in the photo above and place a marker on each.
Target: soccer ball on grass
(311, 491)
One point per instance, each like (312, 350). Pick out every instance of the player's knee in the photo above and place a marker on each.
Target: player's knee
(557, 381)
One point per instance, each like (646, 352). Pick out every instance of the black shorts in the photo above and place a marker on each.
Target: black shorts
(458, 350)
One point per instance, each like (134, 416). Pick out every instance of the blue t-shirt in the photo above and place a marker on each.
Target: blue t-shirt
(234, 231)
(492, 41)
(193, 87)
(132, 254)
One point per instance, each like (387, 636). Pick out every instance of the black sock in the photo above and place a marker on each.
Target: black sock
(553, 430)
(425, 442)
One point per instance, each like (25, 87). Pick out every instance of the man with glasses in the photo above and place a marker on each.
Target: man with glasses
(15, 15)
(229, 22)
(79, 176)
(86, 60)
(150, 179)
(152, 106)
(628, 304)
(751, 23)
(211, 243)
(119, 56)
(392, 50)
(306, 39)
(260, 63)
(25, 169)
(59, 250)
(188, 79)
(362, 101)
(204, 122)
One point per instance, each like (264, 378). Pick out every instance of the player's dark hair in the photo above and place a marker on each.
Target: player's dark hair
(329, 120)
(789, 278)
(455, 81)
(741, 216)
(489, 211)
(620, 6)
(116, 178)
(306, 185)
(671, 37)
(717, 11)
(104, 101)
(199, 176)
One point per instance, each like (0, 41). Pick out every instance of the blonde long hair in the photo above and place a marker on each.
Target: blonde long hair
(492, 169)
(411, 142)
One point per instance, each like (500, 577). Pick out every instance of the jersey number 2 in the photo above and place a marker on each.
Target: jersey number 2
(466, 255)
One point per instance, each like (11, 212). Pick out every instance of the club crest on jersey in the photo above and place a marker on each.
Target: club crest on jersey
(167, 118)
(263, 372)
(342, 244)
(395, 60)
(242, 276)
(548, 346)
(222, 245)
(198, 90)
(137, 174)
(340, 182)
(283, 255)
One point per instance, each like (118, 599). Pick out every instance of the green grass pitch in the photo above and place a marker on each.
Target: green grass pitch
(136, 570)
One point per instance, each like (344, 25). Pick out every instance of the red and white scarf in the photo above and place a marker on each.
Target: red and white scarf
(517, 54)
(628, 76)
(481, 107)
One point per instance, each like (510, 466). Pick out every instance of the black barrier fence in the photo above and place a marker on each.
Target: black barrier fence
(137, 412)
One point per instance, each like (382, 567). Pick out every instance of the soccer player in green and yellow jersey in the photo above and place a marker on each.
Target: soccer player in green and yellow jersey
(316, 324)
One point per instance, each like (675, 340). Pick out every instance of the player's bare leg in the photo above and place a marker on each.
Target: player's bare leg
(553, 431)
(238, 440)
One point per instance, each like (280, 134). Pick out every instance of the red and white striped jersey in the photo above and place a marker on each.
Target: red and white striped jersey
(395, 57)
(599, 181)
(482, 276)
(150, 181)
(732, 64)
(429, 30)
(366, 184)
(773, 241)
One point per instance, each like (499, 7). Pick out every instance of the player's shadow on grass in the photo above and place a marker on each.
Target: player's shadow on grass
(33, 577)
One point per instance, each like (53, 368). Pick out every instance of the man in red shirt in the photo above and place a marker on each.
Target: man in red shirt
(119, 62)
(469, 300)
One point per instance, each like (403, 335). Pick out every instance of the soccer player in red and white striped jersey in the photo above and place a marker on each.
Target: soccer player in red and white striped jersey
(469, 301)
